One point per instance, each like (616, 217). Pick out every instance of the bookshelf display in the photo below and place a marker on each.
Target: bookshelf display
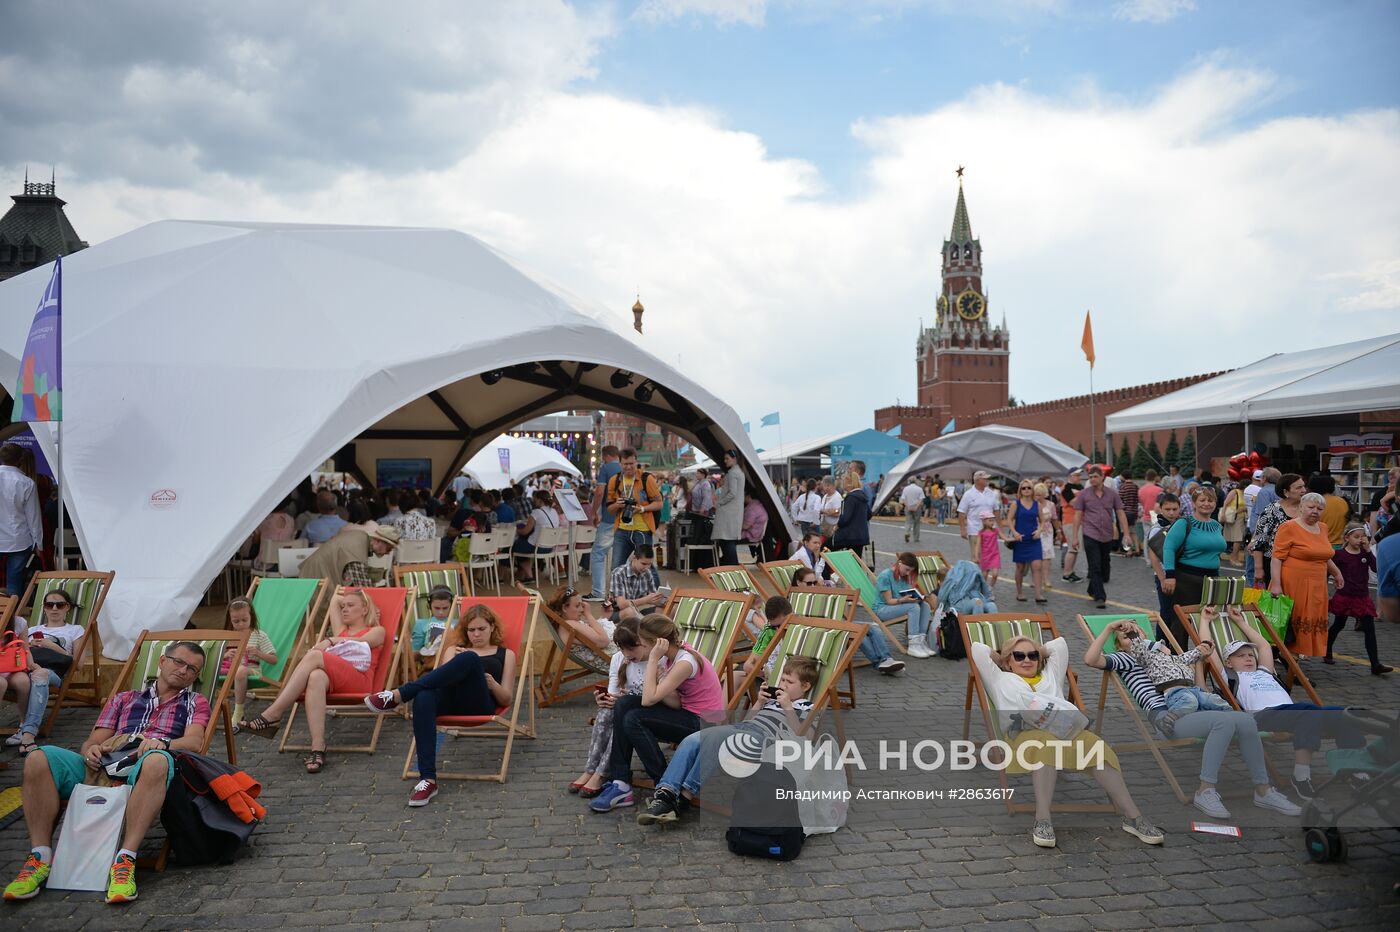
(1360, 463)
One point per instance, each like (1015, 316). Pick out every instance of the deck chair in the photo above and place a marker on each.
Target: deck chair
(82, 685)
(8, 604)
(425, 577)
(781, 572)
(994, 631)
(833, 644)
(735, 579)
(933, 566)
(395, 606)
(711, 622)
(833, 603)
(1223, 631)
(287, 611)
(140, 669)
(1093, 626)
(557, 682)
(518, 616)
(857, 575)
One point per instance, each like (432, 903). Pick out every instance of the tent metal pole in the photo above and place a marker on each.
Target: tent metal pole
(62, 562)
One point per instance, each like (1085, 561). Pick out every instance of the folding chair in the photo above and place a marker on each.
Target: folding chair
(833, 603)
(557, 540)
(584, 536)
(419, 551)
(424, 578)
(933, 566)
(140, 668)
(481, 558)
(287, 611)
(8, 604)
(553, 677)
(395, 611)
(857, 575)
(518, 616)
(82, 684)
(1223, 631)
(733, 579)
(710, 622)
(781, 572)
(994, 631)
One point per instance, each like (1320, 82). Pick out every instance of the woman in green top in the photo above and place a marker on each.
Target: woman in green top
(1190, 553)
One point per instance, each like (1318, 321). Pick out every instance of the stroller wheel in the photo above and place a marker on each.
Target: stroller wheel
(1324, 845)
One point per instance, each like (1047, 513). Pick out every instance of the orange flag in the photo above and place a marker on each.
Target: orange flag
(1087, 344)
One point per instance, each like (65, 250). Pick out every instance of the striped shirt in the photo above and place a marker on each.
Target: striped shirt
(1133, 677)
(771, 723)
(633, 586)
(140, 712)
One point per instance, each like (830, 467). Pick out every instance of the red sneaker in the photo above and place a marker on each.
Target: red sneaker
(382, 702)
(423, 792)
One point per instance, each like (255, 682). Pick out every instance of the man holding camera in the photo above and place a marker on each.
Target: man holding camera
(634, 498)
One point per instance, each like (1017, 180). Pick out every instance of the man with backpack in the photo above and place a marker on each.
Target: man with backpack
(634, 498)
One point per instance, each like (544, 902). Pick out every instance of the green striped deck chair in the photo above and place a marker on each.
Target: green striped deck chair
(142, 666)
(82, 684)
(1223, 630)
(288, 611)
(833, 602)
(1223, 590)
(781, 572)
(733, 579)
(933, 566)
(854, 573)
(425, 577)
(710, 622)
(833, 644)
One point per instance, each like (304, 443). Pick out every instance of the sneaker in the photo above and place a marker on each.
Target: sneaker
(30, 880)
(594, 598)
(1072, 577)
(1208, 801)
(1303, 788)
(423, 793)
(612, 797)
(918, 646)
(1278, 802)
(662, 808)
(121, 883)
(889, 666)
(1143, 829)
(1043, 834)
(13, 740)
(382, 702)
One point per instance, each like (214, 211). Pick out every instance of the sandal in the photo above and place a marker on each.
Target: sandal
(315, 761)
(1042, 601)
(258, 726)
(27, 747)
(1020, 598)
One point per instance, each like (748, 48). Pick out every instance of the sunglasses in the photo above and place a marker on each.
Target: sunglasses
(55, 605)
(1021, 655)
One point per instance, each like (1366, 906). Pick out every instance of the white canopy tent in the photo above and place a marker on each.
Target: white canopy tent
(1344, 379)
(1006, 451)
(526, 458)
(210, 367)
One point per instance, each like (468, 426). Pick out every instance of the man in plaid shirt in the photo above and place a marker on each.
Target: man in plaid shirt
(636, 585)
(167, 715)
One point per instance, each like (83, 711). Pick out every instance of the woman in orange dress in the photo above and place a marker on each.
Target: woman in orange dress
(1302, 561)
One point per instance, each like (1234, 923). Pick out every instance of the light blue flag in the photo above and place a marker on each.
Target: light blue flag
(746, 427)
(769, 420)
(949, 427)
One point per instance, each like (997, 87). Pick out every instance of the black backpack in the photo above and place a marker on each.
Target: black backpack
(950, 642)
(778, 835)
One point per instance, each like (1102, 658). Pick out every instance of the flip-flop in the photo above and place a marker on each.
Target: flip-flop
(25, 749)
(1020, 598)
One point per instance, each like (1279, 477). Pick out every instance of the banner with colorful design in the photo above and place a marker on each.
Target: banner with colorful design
(39, 395)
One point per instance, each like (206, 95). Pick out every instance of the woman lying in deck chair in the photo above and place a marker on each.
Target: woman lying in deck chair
(1218, 728)
(1030, 677)
(592, 636)
(333, 665)
(475, 675)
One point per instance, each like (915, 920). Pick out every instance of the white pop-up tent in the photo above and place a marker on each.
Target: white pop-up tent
(1004, 451)
(210, 367)
(525, 457)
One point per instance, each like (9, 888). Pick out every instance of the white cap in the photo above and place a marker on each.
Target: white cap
(1235, 646)
(1259, 474)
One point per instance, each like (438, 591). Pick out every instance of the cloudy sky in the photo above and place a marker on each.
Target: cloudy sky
(1215, 180)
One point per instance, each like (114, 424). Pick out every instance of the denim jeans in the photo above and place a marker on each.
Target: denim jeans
(696, 759)
(642, 728)
(1218, 728)
(1185, 699)
(1310, 723)
(918, 613)
(728, 552)
(598, 567)
(39, 685)
(624, 542)
(873, 646)
(17, 571)
(458, 687)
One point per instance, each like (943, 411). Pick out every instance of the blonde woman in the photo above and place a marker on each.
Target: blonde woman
(1049, 531)
(853, 526)
(1235, 508)
(340, 663)
(1028, 676)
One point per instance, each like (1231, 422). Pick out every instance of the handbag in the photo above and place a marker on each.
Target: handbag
(1278, 609)
(89, 838)
(1231, 512)
(1046, 713)
(52, 659)
(355, 653)
(14, 655)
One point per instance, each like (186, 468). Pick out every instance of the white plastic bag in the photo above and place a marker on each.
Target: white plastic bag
(89, 837)
(825, 797)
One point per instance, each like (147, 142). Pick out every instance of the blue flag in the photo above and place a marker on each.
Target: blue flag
(769, 420)
(746, 427)
(949, 427)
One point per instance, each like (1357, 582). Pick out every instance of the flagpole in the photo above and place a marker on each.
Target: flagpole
(1093, 421)
(61, 563)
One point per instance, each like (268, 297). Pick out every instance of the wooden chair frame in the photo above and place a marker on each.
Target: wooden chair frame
(919, 579)
(724, 650)
(498, 724)
(772, 570)
(756, 588)
(553, 677)
(87, 656)
(852, 597)
(395, 672)
(8, 605)
(1186, 615)
(417, 664)
(301, 643)
(974, 685)
(895, 642)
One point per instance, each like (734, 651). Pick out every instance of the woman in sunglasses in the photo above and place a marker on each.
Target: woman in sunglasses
(1025, 682)
(53, 643)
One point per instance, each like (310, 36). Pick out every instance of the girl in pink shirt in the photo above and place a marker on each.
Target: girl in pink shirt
(990, 555)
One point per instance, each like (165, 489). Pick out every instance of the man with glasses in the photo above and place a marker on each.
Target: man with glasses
(169, 714)
(633, 498)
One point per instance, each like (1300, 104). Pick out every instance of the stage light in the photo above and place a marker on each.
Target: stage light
(643, 392)
(620, 379)
(492, 377)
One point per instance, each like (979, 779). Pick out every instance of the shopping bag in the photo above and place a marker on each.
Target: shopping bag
(1277, 609)
(826, 796)
(1251, 595)
(89, 837)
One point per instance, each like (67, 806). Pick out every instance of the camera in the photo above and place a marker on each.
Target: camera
(629, 510)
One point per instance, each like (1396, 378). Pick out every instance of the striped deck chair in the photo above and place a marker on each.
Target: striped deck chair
(82, 684)
(1223, 590)
(711, 621)
(857, 575)
(518, 616)
(140, 669)
(288, 611)
(395, 606)
(833, 644)
(994, 631)
(425, 577)
(1223, 631)
(833, 603)
(557, 682)
(734, 579)
(781, 572)
(1093, 626)
(8, 604)
(933, 566)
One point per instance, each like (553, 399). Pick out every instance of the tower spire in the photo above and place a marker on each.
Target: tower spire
(962, 226)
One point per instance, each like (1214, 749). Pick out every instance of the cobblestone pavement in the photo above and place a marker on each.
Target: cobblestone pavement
(341, 849)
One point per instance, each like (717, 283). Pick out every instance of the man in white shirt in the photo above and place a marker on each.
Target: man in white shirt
(831, 508)
(1251, 491)
(976, 500)
(21, 527)
(912, 498)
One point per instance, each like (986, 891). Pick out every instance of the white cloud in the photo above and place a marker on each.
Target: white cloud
(1199, 243)
(1152, 11)
(724, 12)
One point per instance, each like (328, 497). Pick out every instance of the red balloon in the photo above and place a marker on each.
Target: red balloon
(1255, 460)
(1235, 473)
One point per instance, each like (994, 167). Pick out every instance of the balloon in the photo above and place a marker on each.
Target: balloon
(1256, 460)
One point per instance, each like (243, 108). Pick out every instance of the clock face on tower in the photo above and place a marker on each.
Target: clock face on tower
(942, 305)
(970, 305)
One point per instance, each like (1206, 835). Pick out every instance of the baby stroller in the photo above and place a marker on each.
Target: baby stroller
(1363, 792)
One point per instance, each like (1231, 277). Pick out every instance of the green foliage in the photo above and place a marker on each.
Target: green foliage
(1186, 460)
(1154, 453)
(1173, 451)
(1142, 459)
(1123, 462)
